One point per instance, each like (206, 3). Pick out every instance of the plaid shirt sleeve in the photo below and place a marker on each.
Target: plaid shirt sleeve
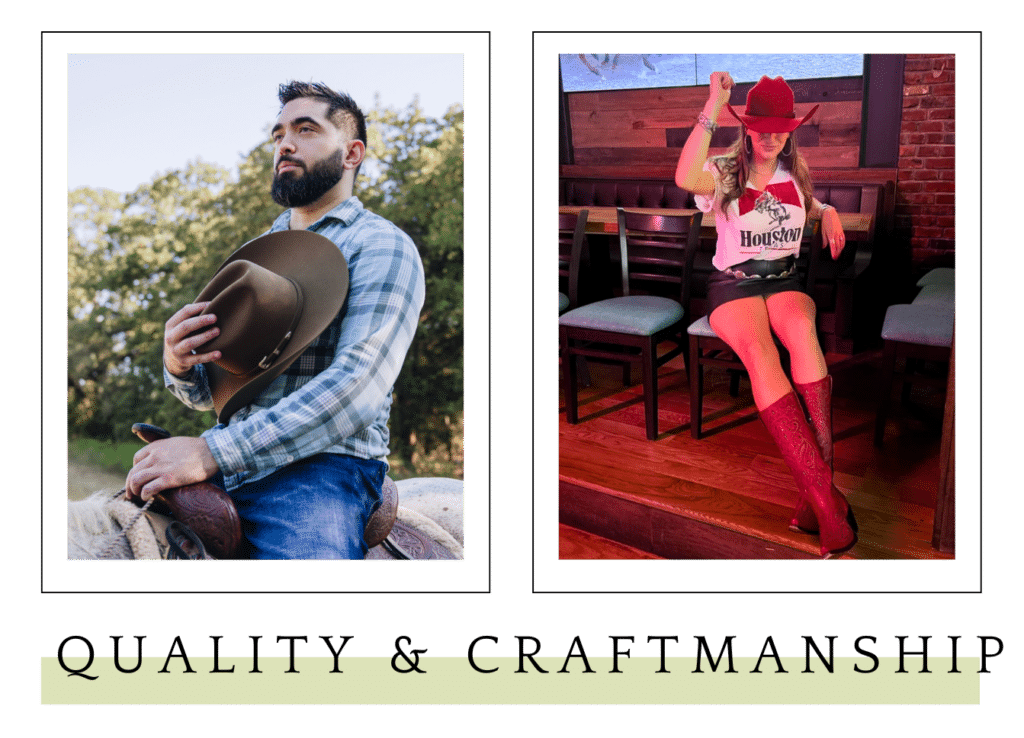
(381, 312)
(192, 389)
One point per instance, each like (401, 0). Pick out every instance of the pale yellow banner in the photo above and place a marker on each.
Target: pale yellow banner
(455, 681)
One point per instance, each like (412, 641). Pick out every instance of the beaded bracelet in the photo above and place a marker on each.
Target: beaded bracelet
(706, 123)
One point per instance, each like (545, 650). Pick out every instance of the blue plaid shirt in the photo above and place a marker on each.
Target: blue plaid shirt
(336, 397)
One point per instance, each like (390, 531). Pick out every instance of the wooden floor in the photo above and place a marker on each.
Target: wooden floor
(729, 495)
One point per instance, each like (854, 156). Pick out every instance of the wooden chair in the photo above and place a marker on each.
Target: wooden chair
(627, 328)
(707, 349)
(571, 243)
(573, 255)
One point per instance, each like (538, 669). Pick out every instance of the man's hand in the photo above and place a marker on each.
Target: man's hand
(169, 463)
(185, 331)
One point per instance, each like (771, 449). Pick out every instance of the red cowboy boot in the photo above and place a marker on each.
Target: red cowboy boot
(817, 401)
(788, 428)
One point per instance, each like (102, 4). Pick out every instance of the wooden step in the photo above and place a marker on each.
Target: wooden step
(574, 543)
(730, 495)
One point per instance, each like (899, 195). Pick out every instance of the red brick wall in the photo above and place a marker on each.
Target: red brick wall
(927, 177)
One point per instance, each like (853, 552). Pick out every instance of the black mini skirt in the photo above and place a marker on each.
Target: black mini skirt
(752, 279)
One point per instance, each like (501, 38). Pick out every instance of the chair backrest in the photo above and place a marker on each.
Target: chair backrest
(659, 249)
(572, 240)
(814, 248)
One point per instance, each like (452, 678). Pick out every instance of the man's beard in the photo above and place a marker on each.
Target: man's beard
(293, 191)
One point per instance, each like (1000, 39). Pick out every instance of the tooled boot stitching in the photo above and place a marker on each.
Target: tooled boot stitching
(817, 401)
(789, 429)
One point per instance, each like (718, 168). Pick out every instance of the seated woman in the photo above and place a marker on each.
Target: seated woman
(761, 194)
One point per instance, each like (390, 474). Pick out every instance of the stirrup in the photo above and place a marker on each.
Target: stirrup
(184, 543)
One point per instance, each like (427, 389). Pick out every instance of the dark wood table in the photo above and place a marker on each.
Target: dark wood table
(856, 226)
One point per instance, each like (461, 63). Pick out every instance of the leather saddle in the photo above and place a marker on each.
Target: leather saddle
(208, 512)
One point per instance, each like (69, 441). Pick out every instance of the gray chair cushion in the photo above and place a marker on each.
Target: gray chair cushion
(563, 302)
(928, 324)
(941, 275)
(937, 294)
(702, 329)
(639, 315)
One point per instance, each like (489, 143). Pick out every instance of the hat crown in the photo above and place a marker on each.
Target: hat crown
(771, 108)
(771, 98)
(256, 311)
(272, 298)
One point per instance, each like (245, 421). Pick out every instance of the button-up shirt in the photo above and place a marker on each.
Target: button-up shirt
(336, 397)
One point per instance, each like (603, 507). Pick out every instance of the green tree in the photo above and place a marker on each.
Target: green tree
(419, 188)
(133, 261)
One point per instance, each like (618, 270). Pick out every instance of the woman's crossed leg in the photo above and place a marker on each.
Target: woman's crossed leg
(744, 324)
(747, 326)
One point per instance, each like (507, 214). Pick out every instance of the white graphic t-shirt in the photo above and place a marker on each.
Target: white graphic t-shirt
(764, 225)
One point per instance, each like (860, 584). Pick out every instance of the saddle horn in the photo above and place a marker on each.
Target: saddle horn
(203, 507)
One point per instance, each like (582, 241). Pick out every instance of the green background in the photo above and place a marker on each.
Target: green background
(499, 590)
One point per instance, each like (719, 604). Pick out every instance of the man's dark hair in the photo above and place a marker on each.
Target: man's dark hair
(341, 108)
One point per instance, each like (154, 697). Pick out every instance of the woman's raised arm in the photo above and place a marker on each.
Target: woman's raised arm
(690, 174)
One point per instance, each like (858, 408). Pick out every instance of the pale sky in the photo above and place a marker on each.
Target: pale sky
(131, 116)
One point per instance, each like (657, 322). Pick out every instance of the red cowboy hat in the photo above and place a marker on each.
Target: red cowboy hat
(770, 108)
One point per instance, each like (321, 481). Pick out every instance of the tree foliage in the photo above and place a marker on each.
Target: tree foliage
(136, 258)
(419, 188)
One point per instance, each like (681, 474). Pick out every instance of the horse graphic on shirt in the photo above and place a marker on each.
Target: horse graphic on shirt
(770, 205)
(771, 202)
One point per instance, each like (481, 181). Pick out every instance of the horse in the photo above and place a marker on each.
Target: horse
(105, 525)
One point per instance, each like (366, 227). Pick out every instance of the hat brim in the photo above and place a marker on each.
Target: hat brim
(768, 124)
(316, 264)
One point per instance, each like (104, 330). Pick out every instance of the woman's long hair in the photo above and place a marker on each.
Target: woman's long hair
(734, 168)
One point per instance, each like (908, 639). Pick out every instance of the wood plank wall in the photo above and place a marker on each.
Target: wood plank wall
(644, 130)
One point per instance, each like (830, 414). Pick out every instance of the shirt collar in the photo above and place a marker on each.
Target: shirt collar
(345, 212)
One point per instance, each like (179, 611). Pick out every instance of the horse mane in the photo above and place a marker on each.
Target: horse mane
(97, 529)
(90, 525)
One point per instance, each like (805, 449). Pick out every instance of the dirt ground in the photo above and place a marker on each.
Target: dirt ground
(84, 479)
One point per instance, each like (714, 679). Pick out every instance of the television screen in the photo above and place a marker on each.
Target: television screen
(589, 72)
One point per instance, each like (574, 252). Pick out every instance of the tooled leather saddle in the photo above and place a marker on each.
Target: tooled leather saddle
(206, 523)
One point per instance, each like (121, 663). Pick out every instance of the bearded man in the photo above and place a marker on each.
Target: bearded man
(301, 450)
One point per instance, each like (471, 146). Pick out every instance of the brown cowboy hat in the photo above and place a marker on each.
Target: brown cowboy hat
(770, 107)
(272, 298)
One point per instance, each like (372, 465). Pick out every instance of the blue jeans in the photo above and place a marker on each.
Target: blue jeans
(315, 508)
